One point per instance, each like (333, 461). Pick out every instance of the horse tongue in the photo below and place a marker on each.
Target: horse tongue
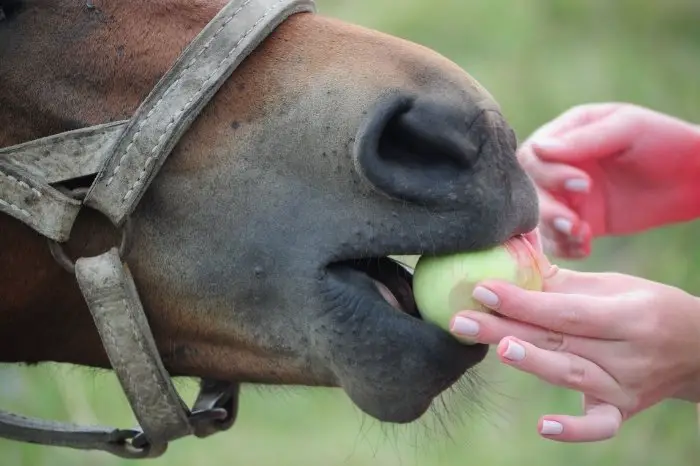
(388, 295)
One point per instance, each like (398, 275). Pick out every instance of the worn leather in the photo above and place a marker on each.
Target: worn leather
(126, 157)
(179, 96)
(27, 429)
(33, 202)
(66, 156)
(111, 296)
(212, 395)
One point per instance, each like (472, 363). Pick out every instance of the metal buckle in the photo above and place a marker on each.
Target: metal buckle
(132, 444)
(59, 253)
(215, 409)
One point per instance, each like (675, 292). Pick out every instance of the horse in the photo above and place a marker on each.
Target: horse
(262, 250)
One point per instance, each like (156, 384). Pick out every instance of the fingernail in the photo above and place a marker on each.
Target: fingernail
(563, 225)
(548, 144)
(577, 185)
(485, 296)
(465, 326)
(551, 428)
(514, 351)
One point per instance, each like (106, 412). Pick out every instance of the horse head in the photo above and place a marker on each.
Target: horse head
(262, 248)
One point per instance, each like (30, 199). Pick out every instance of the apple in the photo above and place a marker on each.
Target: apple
(443, 284)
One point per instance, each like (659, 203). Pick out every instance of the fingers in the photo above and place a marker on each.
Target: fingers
(553, 176)
(562, 369)
(535, 239)
(490, 329)
(575, 117)
(575, 314)
(611, 135)
(601, 422)
(564, 233)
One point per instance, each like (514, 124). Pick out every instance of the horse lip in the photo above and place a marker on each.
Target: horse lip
(392, 365)
(392, 280)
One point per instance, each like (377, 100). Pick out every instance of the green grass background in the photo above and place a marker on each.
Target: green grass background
(537, 57)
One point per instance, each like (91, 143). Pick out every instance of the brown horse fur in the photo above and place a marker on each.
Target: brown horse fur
(331, 142)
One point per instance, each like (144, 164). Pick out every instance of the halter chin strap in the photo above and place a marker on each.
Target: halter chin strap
(126, 156)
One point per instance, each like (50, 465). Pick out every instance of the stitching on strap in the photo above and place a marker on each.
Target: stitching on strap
(172, 86)
(16, 208)
(150, 157)
(24, 185)
(21, 183)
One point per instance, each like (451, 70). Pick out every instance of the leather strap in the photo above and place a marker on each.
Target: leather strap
(214, 411)
(111, 295)
(66, 156)
(35, 203)
(126, 157)
(179, 96)
(62, 434)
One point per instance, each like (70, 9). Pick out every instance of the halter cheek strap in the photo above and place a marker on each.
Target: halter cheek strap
(126, 156)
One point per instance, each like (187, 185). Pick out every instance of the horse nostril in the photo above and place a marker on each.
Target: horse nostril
(424, 138)
(422, 151)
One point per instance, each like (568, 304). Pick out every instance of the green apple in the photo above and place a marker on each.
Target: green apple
(443, 285)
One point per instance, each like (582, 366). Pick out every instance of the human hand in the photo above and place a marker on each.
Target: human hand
(611, 169)
(624, 342)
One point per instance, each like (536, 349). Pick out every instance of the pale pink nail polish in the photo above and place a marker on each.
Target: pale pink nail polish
(485, 296)
(577, 185)
(464, 326)
(563, 225)
(551, 428)
(514, 351)
(548, 144)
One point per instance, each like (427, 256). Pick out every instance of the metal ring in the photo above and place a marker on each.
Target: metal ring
(59, 253)
(132, 444)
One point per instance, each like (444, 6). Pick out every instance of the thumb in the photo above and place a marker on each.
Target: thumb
(606, 137)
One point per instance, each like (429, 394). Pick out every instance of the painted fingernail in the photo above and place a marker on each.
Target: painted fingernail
(465, 326)
(485, 296)
(514, 351)
(577, 185)
(563, 225)
(548, 144)
(551, 428)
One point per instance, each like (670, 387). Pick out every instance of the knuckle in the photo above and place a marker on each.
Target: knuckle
(570, 318)
(631, 402)
(555, 341)
(576, 375)
(646, 322)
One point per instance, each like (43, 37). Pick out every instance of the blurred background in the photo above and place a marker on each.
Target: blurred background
(538, 58)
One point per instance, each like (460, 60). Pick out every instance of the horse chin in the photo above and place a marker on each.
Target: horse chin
(390, 362)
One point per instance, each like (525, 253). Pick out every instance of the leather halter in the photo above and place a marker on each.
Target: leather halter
(125, 157)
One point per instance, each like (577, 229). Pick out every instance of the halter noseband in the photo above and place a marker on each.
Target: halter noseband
(125, 157)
